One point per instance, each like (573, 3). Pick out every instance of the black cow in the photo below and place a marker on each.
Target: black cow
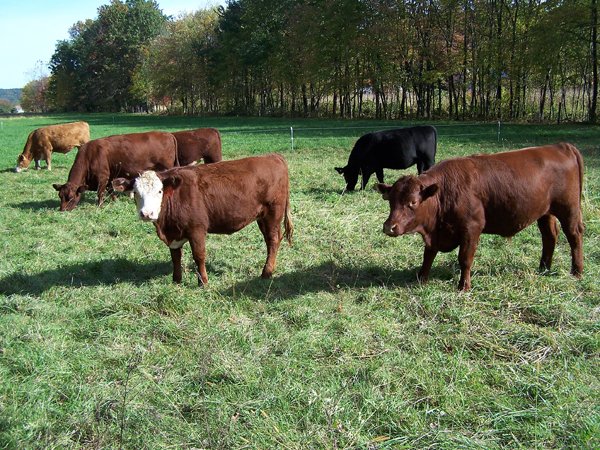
(390, 149)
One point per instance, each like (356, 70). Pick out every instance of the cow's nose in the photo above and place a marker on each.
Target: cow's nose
(144, 215)
(389, 229)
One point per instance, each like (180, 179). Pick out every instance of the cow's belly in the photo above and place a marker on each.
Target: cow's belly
(509, 223)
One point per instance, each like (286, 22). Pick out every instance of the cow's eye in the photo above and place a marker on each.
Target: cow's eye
(413, 203)
(160, 192)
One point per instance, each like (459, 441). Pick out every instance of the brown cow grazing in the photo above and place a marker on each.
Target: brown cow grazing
(452, 203)
(193, 145)
(101, 160)
(54, 138)
(187, 203)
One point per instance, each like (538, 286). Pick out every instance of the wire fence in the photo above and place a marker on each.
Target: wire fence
(497, 133)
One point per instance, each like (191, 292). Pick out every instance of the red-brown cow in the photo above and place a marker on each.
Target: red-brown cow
(101, 160)
(455, 201)
(194, 145)
(187, 203)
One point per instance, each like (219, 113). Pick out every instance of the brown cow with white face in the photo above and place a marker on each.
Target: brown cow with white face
(187, 203)
(457, 200)
(42, 142)
(125, 155)
(201, 144)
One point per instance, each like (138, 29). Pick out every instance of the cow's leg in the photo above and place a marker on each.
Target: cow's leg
(379, 173)
(573, 228)
(270, 227)
(466, 253)
(428, 256)
(38, 166)
(366, 174)
(548, 228)
(49, 161)
(420, 167)
(176, 259)
(102, 184)
(199, 253)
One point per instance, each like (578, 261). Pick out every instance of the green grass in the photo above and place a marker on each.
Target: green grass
(341, 349)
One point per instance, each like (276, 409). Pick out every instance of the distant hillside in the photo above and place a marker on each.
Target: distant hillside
(12, 95)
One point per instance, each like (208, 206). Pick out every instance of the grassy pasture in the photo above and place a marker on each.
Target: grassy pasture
(341, 349)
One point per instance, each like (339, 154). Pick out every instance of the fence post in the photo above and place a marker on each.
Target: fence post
(292, 136)
(498, 131)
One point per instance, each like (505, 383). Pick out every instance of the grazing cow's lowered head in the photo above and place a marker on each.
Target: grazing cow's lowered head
(148, 189)
(22, 163)
(350, 176)
(70, 195)
(406, 197)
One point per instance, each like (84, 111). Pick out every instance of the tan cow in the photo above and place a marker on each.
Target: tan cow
(54, 138)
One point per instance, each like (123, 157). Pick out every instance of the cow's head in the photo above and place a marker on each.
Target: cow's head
(148, 189)
(350, 176)
(406, 197)
(70, 195)
(22, 163)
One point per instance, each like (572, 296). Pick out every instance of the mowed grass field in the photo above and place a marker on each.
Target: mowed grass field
(341, 349)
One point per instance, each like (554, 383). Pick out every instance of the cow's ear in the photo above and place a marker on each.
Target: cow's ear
(122, 184)
(172, 181)
(384, 190)
(428, 191)
(57, 186)
(81, 189)
(340, 170)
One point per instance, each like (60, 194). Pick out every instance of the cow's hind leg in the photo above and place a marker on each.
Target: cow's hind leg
(270, 227)
(572, 226)
(379, 173)
(549, 229)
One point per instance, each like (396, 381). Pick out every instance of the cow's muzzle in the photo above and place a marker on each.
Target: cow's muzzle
(391, 229)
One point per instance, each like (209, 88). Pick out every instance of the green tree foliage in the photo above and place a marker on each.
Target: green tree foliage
(461, 59)
(33, 96)
(94, 69)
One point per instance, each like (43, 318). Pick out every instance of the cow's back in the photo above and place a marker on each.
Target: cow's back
(231, 194)
(130, 154)
(512, 189)
(62, 138)
(203, 143)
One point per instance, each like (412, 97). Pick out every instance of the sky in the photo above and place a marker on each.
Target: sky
(29, 30)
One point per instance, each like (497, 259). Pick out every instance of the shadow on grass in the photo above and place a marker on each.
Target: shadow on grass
(330, 277)
(53, 204)
(95, 273)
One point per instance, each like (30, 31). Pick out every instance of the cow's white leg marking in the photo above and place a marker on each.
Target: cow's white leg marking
(177, 244)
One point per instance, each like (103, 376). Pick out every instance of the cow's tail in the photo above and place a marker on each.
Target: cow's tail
(218, 156)
(287, 222)
(579, 159)
(176, 152)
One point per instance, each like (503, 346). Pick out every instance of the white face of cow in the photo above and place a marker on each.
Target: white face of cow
(148, 191)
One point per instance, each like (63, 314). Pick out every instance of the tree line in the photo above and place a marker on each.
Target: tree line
(387, 59)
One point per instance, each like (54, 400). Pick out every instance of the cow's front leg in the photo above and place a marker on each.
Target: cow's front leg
(176, 259)
(466, 253)
(428, 256)
(366, 174)
(49, 161)
(38, 166)
(199, 253)
(102, 184)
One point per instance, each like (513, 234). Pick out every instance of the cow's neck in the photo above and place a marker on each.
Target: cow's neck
(78, 173)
